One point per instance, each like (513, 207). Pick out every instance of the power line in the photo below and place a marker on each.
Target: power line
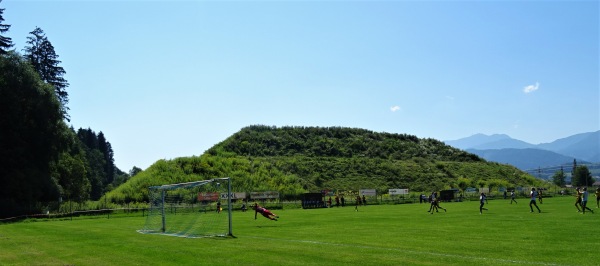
(558, 167)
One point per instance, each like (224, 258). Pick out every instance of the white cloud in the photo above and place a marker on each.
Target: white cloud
(531, 88)
(395, 108)
(516, 124)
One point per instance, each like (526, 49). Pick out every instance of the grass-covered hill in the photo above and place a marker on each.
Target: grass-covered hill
(294, 160)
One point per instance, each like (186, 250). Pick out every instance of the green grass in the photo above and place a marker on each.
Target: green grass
(375, 235)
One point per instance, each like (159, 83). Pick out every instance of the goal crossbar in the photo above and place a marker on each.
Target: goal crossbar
(187, 184)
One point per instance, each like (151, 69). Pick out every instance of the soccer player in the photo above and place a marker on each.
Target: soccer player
(219, 207)
(435, 203)
(598, 198)
(534, 195)
(482, 199)
(266, 213)
(432, 200)
(584, 200)
(512, 197)
(577, 199)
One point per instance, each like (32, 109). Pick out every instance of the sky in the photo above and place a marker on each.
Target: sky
(168, 79)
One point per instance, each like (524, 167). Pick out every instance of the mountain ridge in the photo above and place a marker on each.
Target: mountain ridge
(583, 147)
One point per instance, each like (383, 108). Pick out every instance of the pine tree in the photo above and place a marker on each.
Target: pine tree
(100, 161)
(5, 42)
(88, 138)
(95, 162)
(109, 161)
(40, 53)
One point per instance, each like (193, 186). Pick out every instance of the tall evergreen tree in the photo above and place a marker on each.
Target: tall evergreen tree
(109, 166)
(44, 59)
(88, 137)
(95, 163)
(30, 137)
(134, 171)
(101, 167)
(5, 42)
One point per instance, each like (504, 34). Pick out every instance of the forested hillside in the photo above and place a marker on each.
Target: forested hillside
(294, 160)
(44, 160)
(265, 141)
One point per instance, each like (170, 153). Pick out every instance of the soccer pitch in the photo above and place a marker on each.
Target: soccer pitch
(374, 235)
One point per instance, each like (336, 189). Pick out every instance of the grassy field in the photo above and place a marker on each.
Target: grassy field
(375, 235)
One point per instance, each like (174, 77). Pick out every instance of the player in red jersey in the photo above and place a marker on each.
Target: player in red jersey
(266, 213)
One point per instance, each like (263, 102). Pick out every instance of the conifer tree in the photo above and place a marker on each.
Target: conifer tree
(40, 53)
(5, 42)
(109, 161)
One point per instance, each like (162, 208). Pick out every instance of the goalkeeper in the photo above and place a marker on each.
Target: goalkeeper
(266, 213)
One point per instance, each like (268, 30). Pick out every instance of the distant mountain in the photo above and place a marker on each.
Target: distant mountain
(476, 140)
(508, 143)
(584, 147)
(524, 159)
(485, 142)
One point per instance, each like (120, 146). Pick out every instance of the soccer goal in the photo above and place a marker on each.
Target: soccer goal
(194, 209)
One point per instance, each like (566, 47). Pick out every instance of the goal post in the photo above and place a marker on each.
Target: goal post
(193, 209)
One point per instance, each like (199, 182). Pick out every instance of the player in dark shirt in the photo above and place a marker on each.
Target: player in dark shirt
(266, 213)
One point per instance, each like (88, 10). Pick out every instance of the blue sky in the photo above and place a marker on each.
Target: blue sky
(167, 79)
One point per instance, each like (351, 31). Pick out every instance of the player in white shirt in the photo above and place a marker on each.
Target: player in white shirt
(534, 195)
(482, 199)
(584, 200)
(512, 197)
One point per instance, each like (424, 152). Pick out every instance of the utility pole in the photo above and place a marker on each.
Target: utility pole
(573, 172)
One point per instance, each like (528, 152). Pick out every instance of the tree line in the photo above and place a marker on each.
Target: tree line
(265, 141)
(42, 158)
(580, 176)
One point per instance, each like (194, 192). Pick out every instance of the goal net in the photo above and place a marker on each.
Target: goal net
(194, 209)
